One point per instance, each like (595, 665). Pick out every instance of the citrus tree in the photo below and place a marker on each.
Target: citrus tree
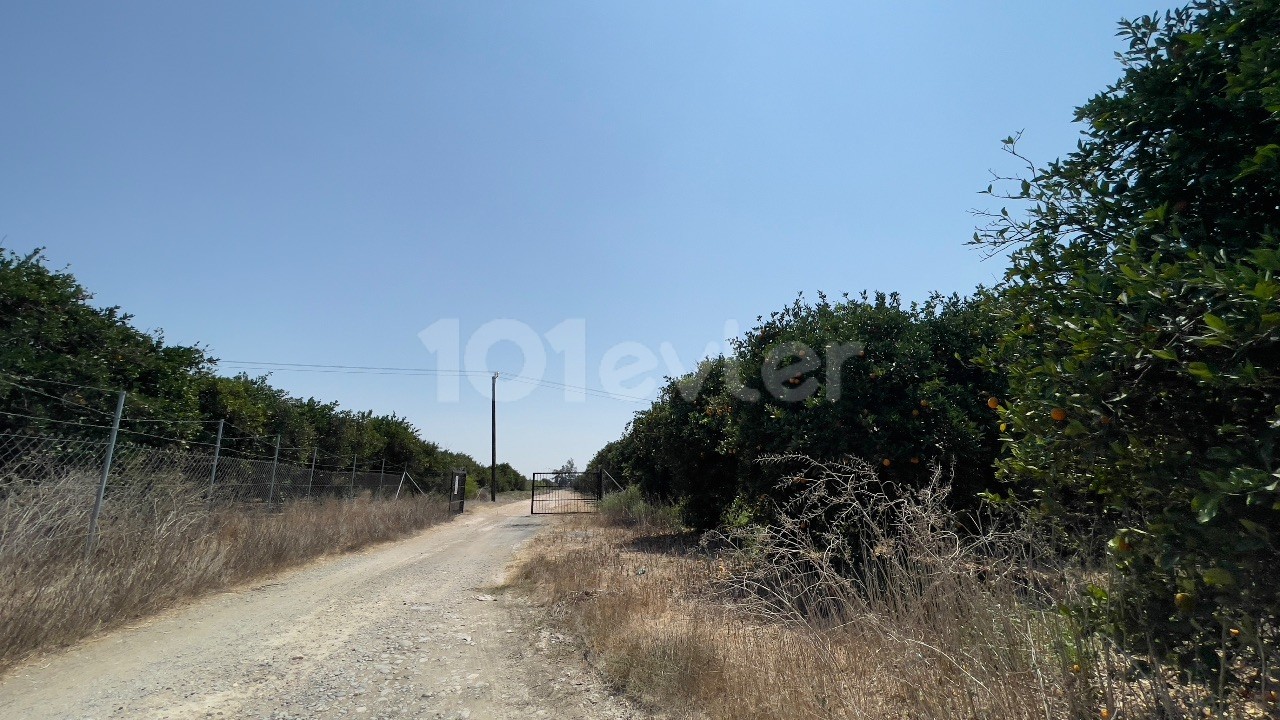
(1143, 311)
(678, 450)
(866, 377)
(894, 385)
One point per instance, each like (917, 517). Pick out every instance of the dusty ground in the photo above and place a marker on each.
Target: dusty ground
(409, 629)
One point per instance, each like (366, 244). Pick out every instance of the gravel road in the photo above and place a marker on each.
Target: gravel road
(405, 630)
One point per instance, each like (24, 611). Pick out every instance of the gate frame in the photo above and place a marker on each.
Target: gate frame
(581, 504)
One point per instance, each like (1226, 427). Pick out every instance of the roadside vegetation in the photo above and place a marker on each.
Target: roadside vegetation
(1115, 398)
(160, 544)
(163, 538)
(864, 599)
(62, 360)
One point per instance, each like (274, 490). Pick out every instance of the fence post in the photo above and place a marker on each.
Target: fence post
(312, 477)
(382, 476)
(102, 486)
(271, 489)
(217, 451)
(406, 472)
(353, 476)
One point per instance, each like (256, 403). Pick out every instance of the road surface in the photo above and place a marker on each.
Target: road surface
(404, 630)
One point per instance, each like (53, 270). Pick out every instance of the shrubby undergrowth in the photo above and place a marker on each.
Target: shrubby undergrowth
(1121, 382)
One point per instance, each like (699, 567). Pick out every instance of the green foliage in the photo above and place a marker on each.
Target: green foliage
(678, 450)
(48, 330)
(865, 377)
(629, 507)
(1143, 304)
(904, 396)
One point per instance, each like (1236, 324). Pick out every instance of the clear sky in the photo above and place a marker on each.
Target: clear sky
(319, 182)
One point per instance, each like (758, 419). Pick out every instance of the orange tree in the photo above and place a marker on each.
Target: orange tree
(62, 359)
(678, 450)
(863, 377)
(1142, 302)
(870, 378)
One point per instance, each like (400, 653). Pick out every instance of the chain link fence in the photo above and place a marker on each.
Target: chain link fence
(76, 471)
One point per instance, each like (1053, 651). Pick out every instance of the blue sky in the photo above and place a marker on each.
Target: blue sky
(318, 182)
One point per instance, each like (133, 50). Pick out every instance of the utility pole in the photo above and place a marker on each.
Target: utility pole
(493, 417)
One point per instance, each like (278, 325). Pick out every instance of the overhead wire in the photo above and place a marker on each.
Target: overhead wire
(411, 372)
(254, 364)
(340, 464)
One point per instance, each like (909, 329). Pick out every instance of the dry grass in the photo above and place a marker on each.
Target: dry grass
(863, 602)
(159, 545)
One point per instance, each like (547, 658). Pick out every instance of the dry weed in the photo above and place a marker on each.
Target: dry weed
(159, 544)
(863, 601)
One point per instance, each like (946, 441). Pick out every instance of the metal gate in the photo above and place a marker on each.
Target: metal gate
(457, 491)
(555, 493)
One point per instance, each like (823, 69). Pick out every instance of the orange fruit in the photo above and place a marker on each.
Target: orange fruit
(886, 462)
(915, 413)
(993, 402)
(915, 461)
(1058, 414)
(1235, 632)
(1104, 420)
(1105, 714)
(924, 403)
(1184, 601)
(1075, 668)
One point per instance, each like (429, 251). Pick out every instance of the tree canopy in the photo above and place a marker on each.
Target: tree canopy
(62, 360)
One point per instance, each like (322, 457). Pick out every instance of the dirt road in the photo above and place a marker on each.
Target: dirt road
(404, 630)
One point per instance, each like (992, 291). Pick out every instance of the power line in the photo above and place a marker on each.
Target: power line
(258, 365)
(585, 390)
(411, 372)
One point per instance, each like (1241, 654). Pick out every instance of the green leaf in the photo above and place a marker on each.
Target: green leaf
(1217, 577)
(1217, 324)
(1200, 370)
